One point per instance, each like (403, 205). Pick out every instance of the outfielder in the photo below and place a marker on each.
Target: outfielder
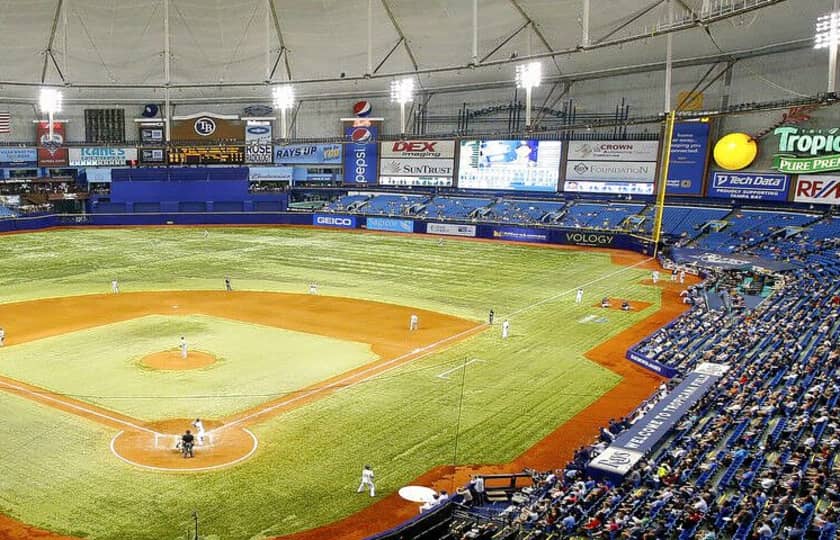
(579, 296)
(505, 329)
(413, 322)
(115, 286)
(367, 481)
(313, 288)
(2, 337)
(183, 346)
(199, 426)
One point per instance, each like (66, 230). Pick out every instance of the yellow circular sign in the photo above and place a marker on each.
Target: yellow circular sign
(735, 151)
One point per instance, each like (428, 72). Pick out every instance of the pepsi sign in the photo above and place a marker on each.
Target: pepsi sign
(362, 108)
(361, 155)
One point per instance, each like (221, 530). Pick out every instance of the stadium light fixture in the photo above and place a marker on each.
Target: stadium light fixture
(284, 100)
(50, 101)
(827, 36)
(528, 76)
(402, 92)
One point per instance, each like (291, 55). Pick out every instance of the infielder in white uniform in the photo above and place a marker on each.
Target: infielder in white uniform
(199, 427)
(655, 276)
(413, 321)
(183, 346)
(367, 480)
(682, 276)
(2, 337)
(313, 288)
(115, 286)
(579, 296)
(505, 329)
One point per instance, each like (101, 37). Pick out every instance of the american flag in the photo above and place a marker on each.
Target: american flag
(5, 122)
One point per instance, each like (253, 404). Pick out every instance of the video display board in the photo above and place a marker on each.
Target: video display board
(517, 165)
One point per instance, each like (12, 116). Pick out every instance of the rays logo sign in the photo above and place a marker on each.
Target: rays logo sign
(204, 126)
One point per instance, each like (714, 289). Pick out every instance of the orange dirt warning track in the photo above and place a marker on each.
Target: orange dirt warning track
(335, 317)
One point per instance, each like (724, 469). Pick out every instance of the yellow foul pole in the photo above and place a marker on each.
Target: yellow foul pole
(663, 181)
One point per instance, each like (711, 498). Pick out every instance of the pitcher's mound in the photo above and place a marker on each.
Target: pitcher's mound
(172, 361)
(153, 446)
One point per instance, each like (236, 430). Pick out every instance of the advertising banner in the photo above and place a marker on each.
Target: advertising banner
(152, 134)
(728, 261)
(613, 151)
(817, 189)
(584, 238)
(516, 165)
(51, 153)
(361, 156)
(18, 157)
(271, 174)
(689, 156)
(651, 364)
(450, 229)
(520, 234)
(258, 147)
(630, 188)
(101, 175)
(629, 447)
(206, 155)
(748, 185)
(807, 150)
(391, 225)
(101, 156)
(152, 156)
(334, 220)
(607, 171)
(208, 127)
(309, 154)
(417, 163)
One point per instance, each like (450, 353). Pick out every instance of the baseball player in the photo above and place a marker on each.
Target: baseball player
(490, 317)
(313, 288)
(115, 286)
(655, 276)
(579, 296)
(227, 284)
(682, 276)
(367, 480)
(413, 322)
(2, 337)
(199, 427)
(505, 329)
(183, 346)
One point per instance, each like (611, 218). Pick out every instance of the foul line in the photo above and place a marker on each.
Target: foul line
(426, 350)
(576, 287)
(192, 469)
(462, 366)
(48, 397)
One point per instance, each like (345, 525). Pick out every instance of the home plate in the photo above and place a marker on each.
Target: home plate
(418, 494)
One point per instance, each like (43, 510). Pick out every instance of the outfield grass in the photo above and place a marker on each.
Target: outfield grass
(306, 470)
(253, 364)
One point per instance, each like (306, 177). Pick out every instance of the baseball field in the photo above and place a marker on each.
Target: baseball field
(298, 391)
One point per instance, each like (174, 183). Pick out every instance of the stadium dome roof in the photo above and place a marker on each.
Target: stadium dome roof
(231, 50)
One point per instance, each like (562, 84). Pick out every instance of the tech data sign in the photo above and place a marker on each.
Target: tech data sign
(817, 189)
(807, 150)
(417, 163)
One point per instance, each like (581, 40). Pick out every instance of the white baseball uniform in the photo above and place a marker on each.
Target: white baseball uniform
(413, 322)
(115, 286)
(505, 329)
(2, 337)
(655, 276)
(579, 297)
(313, 289)
(183, 348)
(367, 481)
(199, 427)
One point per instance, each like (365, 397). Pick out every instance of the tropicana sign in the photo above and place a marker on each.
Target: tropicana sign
(807, 150)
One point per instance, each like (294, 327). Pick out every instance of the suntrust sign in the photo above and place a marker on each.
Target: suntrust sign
(807, 150)
(417, 163)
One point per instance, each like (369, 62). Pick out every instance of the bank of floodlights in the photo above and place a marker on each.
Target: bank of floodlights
(528, 76)
(402, 92)
(284, 100)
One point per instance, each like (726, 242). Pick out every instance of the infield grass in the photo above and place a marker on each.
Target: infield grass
(306, 470)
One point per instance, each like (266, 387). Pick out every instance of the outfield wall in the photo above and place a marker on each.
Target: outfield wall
(530, 234)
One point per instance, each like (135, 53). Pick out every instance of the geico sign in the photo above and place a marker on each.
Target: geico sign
(589, 238)
(329, 220)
